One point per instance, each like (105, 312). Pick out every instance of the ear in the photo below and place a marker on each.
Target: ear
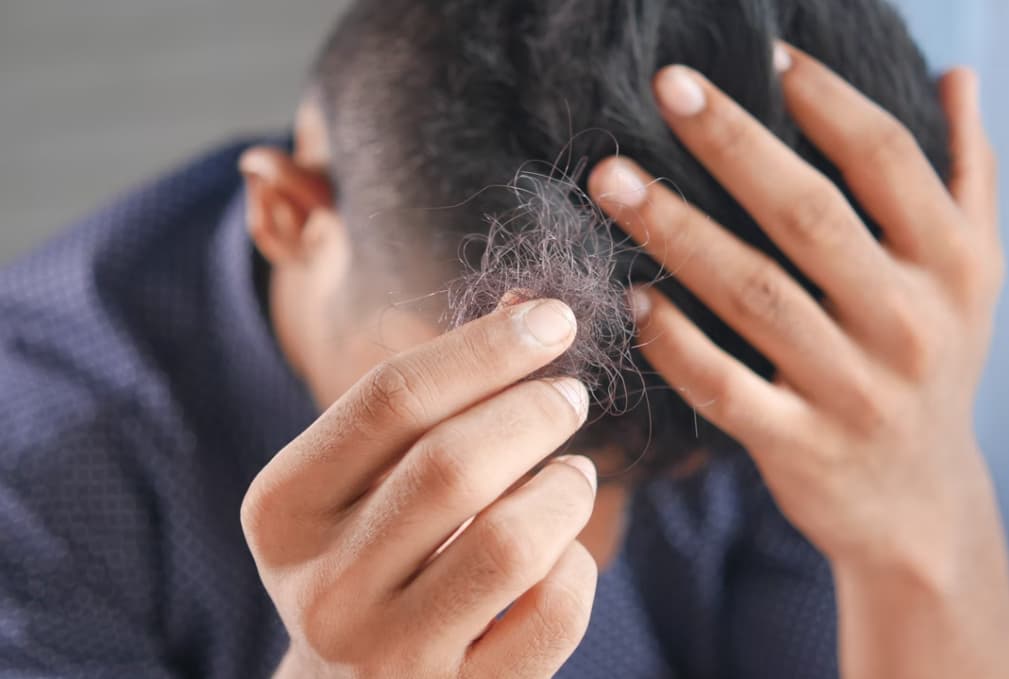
(282, 197)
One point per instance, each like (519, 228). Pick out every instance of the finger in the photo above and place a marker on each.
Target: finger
(338, 458)
(759, 415)
(458, 468)
(744, 286)
(878, 157)
(544, 626)
(799, 208)
(973, 177)
(510, 546)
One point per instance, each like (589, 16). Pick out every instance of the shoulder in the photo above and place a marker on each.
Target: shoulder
(81, 273)
(79, 312)
(109, 484)
(79, 316)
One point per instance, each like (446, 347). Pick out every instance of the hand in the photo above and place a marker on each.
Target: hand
(354, 525)
(865, 436)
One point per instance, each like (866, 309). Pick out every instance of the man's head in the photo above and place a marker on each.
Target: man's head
(421, 113)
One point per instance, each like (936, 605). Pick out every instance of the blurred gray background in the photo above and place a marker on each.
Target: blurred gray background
(97, 95)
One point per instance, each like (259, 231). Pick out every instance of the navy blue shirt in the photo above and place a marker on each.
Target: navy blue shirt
(141, 391)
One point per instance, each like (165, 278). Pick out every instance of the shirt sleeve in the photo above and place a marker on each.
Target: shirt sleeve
(79, 566)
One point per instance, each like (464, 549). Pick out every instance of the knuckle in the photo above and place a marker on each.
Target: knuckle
(865, 404)
(962, 263)
(561, 612)
(328, 615)
(669, 226)
(322, 631)
(919, 359)
(484, 348)
(815, 219)
(720, 405)
(760, 295)
(909, 340)
(890, 144)
(393, 390)
(508, 549)
(278, 533)
(482, 343)
(250, 514)
(260, 508)
(442, 469)
(728, 136)
(583, 572)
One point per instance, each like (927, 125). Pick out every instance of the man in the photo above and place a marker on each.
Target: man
(157, 358)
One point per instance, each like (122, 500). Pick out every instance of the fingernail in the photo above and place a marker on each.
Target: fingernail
(641, 305)
(782, 59)
(679, 92)
(584, 465)
(574, 392)
(550, 322)
(623, 186)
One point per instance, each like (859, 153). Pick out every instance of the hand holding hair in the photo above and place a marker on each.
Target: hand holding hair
(865, 435)
(344, 521)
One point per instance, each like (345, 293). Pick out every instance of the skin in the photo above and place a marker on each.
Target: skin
(865, 435)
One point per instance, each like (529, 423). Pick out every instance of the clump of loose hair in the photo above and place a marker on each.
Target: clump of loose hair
(554, 244)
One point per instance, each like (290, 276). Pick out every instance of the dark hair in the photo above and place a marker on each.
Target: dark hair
(429, 102)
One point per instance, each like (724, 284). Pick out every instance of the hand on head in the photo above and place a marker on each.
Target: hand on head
(865, 435)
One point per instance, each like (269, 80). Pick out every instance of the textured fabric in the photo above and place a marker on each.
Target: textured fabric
(140, 393)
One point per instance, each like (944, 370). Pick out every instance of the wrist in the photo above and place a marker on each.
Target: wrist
(878, 621)
(934, 544)
(900, 627)
(937, 606)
